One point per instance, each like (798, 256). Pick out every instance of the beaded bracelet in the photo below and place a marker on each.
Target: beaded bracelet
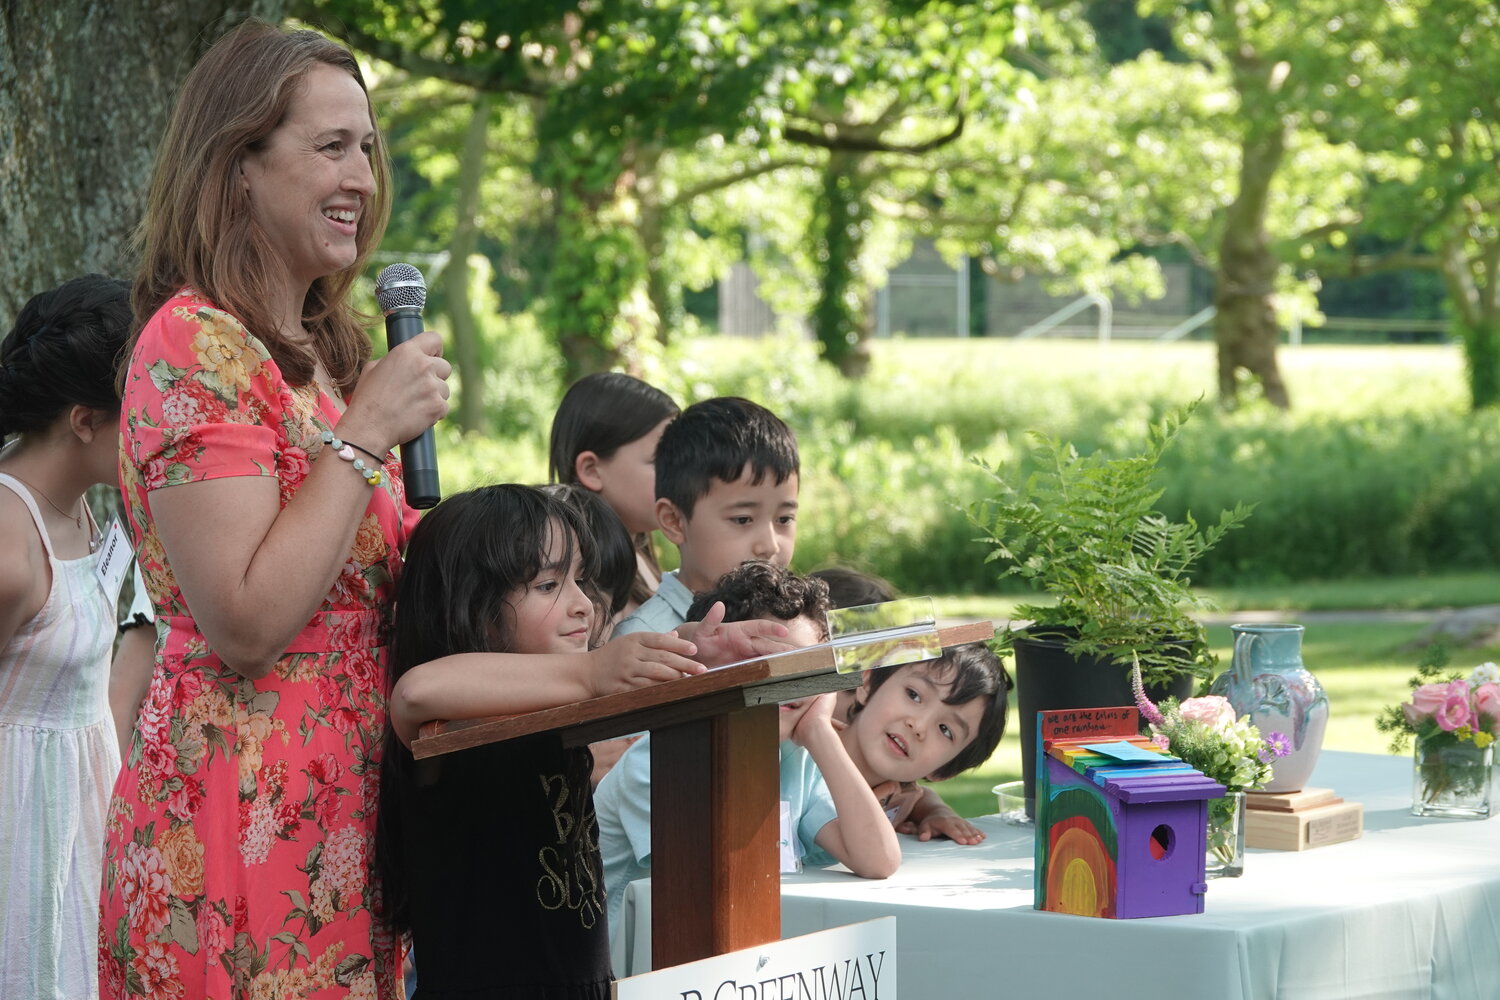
(379, 458)
(345, 450)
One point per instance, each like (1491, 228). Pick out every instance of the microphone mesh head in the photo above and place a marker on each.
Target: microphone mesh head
(400, 286)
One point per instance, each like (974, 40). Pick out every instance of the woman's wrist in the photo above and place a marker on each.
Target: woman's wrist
(364, 436)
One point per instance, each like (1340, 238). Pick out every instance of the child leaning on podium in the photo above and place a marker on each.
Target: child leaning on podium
(834, 815)
(933, 720)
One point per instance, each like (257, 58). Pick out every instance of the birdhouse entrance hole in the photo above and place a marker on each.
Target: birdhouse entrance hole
(1161, 841)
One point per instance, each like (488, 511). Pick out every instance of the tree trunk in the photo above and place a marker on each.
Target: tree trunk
(1245, 328)
(651, 216)
(85, 90)
(842, 316)
(1475, 294)
(458, 275)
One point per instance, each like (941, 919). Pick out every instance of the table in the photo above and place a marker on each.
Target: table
(1412, 909)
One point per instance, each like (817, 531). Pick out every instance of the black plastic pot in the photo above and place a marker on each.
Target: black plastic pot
(1049, 678)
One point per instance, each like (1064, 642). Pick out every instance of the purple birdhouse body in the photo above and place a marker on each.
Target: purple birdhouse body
(1121, 826)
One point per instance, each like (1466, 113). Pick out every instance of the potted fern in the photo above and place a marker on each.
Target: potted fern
(1084, 530)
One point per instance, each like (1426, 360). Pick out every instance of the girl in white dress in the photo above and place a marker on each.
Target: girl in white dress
(58, 753)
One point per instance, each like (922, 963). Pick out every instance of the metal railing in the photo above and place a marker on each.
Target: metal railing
(1078, 305)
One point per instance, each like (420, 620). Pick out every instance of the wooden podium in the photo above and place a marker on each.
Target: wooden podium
(715, 823)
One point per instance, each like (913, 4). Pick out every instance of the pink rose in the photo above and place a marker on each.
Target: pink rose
(288, 817)
(292, 468)
(1454, 712)
(156, 473)
(1428, 698)
(111, 971)
(363, 671)
(1487, 702)
(159, 760)
(189, 686)
(330, 693)
(344, 720)
(1213, 710)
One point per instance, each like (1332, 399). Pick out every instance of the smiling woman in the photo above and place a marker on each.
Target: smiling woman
(241, 826)
(309, 180)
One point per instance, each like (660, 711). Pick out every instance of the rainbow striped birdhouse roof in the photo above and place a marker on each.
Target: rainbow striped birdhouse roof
(1134, 770)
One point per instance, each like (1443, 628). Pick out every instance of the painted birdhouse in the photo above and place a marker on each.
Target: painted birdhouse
(1121, 826)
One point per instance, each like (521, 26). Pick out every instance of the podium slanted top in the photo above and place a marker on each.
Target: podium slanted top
(797, 673)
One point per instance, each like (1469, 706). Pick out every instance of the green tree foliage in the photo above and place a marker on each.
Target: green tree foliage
(1415, 88)
(871, 82)
(609, 86)
(1274, 57)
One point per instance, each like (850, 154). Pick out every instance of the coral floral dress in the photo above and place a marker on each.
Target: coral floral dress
(241, 828)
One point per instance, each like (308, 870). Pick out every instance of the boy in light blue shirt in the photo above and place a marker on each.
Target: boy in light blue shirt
(726, 492)
(835, 816)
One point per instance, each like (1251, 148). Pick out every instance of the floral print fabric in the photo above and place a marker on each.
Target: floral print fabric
(241, 828)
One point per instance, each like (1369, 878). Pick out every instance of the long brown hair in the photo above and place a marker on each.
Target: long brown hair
(199, 231)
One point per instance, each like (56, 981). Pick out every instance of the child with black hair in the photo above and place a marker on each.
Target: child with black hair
(58, 748)
(489, 856)
(726, 493)
(835, 817)
(935, 719)
(928, 720)
(604, 437)
(612, 545)
(618, 562)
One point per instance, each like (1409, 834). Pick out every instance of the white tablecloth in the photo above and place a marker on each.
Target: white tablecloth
(1410, 910)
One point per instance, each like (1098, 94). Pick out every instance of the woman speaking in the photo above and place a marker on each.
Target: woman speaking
(268, 519)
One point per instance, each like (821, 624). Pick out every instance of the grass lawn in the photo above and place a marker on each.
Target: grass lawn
(1361, 664)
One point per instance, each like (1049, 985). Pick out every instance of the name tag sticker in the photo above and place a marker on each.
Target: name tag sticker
(790, 863)
(114, 560)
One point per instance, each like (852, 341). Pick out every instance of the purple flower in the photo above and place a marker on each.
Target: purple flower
(1277, 745)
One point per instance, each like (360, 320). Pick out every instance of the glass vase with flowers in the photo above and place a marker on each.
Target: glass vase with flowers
(1452, 721)
(1206, 734)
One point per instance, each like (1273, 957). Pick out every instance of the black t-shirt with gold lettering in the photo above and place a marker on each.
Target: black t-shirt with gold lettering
(504, 880)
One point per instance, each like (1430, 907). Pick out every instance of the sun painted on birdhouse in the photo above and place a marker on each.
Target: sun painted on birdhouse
(1120, 825)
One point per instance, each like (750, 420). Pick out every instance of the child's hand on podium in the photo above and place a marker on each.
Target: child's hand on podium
(642, 658)
(720, 642)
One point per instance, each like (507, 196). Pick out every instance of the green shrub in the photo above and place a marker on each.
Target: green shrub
(1378, 470)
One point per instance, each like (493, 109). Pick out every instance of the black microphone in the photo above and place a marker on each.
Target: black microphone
(402, 293)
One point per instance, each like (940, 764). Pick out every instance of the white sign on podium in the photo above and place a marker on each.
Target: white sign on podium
(857, 962)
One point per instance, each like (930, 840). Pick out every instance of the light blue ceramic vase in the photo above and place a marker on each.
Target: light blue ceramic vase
(1268, 682)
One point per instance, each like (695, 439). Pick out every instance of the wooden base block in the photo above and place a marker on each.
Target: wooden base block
(1297, 831)
(1306, 798)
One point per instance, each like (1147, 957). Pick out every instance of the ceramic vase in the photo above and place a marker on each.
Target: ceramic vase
(1452, 778)
(1267, 681)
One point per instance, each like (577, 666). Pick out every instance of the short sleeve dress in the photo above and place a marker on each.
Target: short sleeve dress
(241, 828)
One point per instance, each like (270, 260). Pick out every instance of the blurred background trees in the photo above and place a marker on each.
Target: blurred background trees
(598, 168)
